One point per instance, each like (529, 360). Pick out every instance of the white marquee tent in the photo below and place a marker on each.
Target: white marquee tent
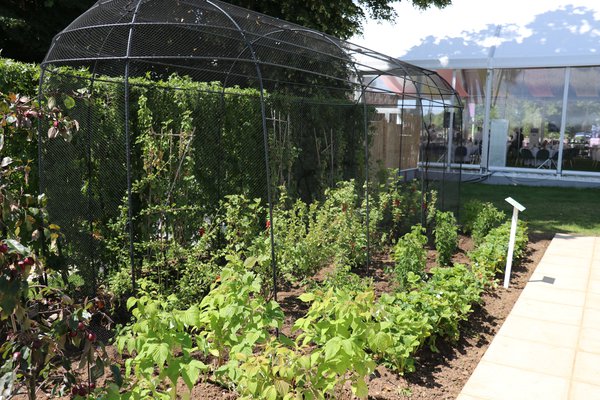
(540, 80)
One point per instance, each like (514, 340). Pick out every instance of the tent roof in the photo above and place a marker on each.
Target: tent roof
(557, 38)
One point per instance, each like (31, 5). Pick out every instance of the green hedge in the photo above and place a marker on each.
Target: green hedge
(18, 77)
(193, 143)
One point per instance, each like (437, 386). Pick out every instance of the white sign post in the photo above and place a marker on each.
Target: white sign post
(513, 233)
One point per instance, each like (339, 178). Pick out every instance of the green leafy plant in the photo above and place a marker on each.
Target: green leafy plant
(159, 339)
(446, 236)
(430, 310)
(341, 323)
(490, 255)
(402, 331)
(41, 322)
(469, 213)
(339, 223)
(300, 250)
(399, 204)
(284, 370)
(488, 217)
(410, 255)
(449, 294)
(235, 317)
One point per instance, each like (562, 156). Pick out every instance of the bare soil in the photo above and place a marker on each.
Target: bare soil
(438, 376)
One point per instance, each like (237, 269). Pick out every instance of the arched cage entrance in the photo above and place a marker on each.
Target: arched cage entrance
(190, 110)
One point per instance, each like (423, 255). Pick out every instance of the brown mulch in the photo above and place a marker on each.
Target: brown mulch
(438, 376)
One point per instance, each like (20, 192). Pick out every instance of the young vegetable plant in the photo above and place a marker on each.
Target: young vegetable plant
(488, 218)
(410, 255)
(341, 323)
(235, 317)
(446, 236)
(159, 339)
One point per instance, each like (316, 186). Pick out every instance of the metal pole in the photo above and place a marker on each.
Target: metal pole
(451, 123)
(485, 137)
(563, 121)
(367, 219)
(128, 152)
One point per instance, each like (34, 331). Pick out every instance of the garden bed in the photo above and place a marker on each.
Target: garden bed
(438, 375)
(441, 376)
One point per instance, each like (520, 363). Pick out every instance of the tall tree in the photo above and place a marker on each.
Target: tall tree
(28, 26)
(340, 18)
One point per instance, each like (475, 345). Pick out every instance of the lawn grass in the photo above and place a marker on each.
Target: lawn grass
(549, 210)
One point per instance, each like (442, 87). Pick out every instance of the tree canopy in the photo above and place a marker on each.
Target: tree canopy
(28, 26)
(341, 18)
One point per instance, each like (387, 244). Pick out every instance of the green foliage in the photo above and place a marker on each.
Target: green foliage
(300, 250)
(24, 220)
(345, 332)
(234, 324)
(410, 255)
(229, 324)
(18, 77)
(343, 278)
(310, 237)
(490, 254)
(194, 149)
(446, 236)
(286, 371)
(238, 322)
(236, 317)
(451, 293)
(402, 332)
(429, 311)
(195, 282)
(339, 222)
(469, 214)
(399, 203)
(343, 20)
(159, 338)
(243, 221)
(340, 321)
(394, 327)
(488, 217)
(38, 318)
(119, 283)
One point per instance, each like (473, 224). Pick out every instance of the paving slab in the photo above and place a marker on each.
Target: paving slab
(549, 345)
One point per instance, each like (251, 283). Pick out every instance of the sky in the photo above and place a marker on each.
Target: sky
(412, 25)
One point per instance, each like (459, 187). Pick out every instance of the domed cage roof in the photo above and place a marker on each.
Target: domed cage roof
(214, 41)
(180, 103)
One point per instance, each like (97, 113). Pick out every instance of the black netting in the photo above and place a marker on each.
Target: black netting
(183, 104)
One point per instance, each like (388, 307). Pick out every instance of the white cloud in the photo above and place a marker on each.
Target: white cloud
(413, 25)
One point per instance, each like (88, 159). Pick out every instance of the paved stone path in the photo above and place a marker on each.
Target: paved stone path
(549, 346)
